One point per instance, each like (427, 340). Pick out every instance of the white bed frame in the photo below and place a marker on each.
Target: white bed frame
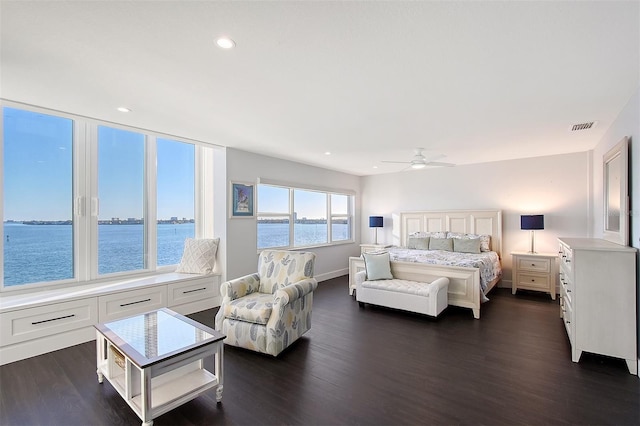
(464, 283)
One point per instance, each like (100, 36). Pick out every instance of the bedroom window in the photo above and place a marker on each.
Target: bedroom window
(82, 200)
(120, 203)
(176, 199)
(37, 159)
(290, 217)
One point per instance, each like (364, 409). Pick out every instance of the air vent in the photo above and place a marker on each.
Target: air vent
(583, 126)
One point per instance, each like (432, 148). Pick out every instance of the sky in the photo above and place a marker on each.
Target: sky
(307, 204)
(38, 158)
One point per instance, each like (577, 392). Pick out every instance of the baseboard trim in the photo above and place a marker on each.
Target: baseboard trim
(333, 274)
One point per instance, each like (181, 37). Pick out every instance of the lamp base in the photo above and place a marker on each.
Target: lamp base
(533, 242)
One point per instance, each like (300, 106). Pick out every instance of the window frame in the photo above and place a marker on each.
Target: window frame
(291, 214)
(86, 201)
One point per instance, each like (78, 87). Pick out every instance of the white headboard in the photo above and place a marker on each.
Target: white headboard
(467, 221)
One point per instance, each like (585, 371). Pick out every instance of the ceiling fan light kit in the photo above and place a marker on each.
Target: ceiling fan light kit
(420, 162)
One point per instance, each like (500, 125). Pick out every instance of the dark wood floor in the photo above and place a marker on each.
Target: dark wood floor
(364, 366)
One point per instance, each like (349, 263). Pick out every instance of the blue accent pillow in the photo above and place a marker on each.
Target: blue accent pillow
(378, 266)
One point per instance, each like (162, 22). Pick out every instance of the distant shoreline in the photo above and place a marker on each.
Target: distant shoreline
(100, 222)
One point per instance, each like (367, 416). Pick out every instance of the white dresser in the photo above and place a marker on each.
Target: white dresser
(598, 298)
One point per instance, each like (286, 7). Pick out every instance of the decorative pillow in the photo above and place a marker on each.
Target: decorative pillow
(199, 256)
(437, 234)
(466, 245)
(377, 266)
(420, 243)
(485, 240)
(441, 244)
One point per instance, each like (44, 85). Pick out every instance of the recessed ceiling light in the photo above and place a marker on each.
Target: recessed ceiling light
(124, 109)
(225, 43)
(375, 167)
(327, 153)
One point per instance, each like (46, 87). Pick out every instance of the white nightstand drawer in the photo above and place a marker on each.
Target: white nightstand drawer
(533, 281)
(132, 302)
(32, 323)
(532, 264)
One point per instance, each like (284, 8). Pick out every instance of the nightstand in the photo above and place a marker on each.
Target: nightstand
(534, 271)
(367, 248)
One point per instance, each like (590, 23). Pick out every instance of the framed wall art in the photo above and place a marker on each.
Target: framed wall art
(241, 200)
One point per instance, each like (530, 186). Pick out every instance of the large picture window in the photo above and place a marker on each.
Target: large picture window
(38, 197)
(176, 199)
(121, 245)
(83, 201)
(291, 217)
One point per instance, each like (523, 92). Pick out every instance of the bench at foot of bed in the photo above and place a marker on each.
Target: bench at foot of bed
(428, 298)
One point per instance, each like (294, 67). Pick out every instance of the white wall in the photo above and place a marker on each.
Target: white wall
(556, 186)
(241, 243)
(627, 124)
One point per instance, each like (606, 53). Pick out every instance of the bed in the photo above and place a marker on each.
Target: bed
(471, 277)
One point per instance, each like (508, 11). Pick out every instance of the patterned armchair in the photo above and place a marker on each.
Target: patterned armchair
(268, 311)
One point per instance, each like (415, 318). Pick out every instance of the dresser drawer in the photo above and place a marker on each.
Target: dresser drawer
(32, 323)
(193, 291)
(118, 305)
(567, 317)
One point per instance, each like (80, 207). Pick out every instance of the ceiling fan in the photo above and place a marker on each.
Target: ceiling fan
(419, 161)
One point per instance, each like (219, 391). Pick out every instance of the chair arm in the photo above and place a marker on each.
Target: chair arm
(294, 291)
(240, 287)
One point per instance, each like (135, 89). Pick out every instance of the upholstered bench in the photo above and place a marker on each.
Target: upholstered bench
(429, 298)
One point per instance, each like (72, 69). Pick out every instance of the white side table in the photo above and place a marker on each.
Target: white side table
(534, 271)
(367, 248)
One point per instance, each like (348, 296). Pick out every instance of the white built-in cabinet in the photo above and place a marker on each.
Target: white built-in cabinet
(598, 298)
(39, 322)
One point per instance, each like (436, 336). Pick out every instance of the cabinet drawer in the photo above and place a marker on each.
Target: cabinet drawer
(533, 281)
(193, 291)
(32, 323)
(118, 305)
(567, 317)
(532, 264)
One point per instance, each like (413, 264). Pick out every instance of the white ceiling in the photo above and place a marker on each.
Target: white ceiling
(368, 81)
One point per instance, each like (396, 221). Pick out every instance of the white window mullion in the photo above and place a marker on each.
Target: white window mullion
(81, 195)
(329, 217)
(92, 203)
(151, 204)
(292, 217)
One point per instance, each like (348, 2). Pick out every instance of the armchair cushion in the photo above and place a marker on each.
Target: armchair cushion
(280, 268)
(254, 307)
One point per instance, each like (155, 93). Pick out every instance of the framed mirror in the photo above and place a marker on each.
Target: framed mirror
(615, 166)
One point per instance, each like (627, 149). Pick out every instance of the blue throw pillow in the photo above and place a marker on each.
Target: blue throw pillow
(378, 266)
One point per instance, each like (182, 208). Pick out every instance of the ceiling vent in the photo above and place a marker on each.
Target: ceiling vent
(583, 126)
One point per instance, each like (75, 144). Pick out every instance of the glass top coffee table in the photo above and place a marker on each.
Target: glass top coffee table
(155, 360)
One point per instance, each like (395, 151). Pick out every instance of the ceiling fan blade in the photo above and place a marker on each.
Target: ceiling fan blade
(439, 164)
(396, 162)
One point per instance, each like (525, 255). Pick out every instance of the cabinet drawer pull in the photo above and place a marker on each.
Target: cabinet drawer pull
(134, 303)
(194, 290)
(53, 319)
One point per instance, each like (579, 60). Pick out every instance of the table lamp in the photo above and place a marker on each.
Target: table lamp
(375, 222)
(531, 223)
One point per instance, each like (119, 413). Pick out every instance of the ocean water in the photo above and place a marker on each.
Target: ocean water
(35, 253)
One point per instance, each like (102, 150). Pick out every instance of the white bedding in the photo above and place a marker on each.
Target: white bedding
(487, 262)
